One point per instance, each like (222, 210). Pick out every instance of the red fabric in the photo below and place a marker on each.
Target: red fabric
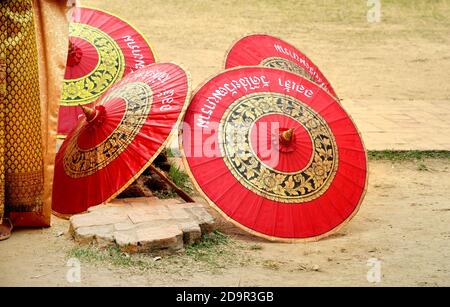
(118, 30)
(293, 156)
(81, 59)
(253, 49)
(265, 216)
(74, 195)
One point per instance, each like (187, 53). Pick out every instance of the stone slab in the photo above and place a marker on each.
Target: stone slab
(143, 224)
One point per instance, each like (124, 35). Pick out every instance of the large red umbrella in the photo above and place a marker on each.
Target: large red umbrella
(269, 51)
(115, 142)
(102, 49)
(274, 153)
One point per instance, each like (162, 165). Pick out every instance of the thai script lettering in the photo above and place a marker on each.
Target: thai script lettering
(309, 68)
(136, 51)
(150, 76)
(289, 85)
(242, 84)
(167, 99)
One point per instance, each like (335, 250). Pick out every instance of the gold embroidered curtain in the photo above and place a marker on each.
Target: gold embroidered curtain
(33, 50)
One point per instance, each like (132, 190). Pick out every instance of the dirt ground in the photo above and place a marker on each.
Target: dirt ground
(404, 220)
(403, 223)
(404, 56)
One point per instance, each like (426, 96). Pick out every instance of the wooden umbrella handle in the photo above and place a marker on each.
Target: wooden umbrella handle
(179, 191)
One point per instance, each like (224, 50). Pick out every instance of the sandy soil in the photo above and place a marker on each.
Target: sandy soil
(403, 223)
(405, 216)
(405, 56)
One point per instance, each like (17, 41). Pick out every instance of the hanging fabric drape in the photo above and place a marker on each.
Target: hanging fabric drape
(33, 51)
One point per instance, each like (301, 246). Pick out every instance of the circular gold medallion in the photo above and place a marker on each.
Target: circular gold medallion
(110, 67)
(281, 63)
(80, 161)
(296, 186)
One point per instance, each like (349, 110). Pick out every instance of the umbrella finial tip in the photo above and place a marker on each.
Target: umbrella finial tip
(287, 135)
(89, 113)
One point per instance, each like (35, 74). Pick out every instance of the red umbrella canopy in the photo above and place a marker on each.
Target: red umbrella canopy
(269, 51)
(115, 142)
(102, 49)
(274, 153)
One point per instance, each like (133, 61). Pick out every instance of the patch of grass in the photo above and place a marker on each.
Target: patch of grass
(217, 251)
(181, 179)
(87, 253)
(208, 241)
(111, 255)
(408, 155)
(169, 152)
(214, 252)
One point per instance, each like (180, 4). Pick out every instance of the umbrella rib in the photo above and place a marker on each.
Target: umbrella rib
(351, 149)
(204, 162)
(352, 165)
(343, 196)
(329, 222)
(228, 189)
(217, 176)
(334, 205)
(352, 181)
(260, 202)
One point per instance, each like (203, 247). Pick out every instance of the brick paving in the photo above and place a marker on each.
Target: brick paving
(402, 124)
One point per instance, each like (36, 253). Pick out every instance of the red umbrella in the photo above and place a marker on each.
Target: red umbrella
(118, 139)
(102, 49)
(274, 153)
(269, 51)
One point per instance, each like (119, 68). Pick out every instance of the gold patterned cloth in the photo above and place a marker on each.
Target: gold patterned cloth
(33, 46)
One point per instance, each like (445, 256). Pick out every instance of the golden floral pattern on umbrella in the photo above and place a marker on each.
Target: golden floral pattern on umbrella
(280, 63)
(80, 162)
(109, 69)
(288, 187)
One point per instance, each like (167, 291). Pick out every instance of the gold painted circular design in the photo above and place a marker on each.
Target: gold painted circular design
(109, 69)
(293, 187)
(281, 63)
(80, 162)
